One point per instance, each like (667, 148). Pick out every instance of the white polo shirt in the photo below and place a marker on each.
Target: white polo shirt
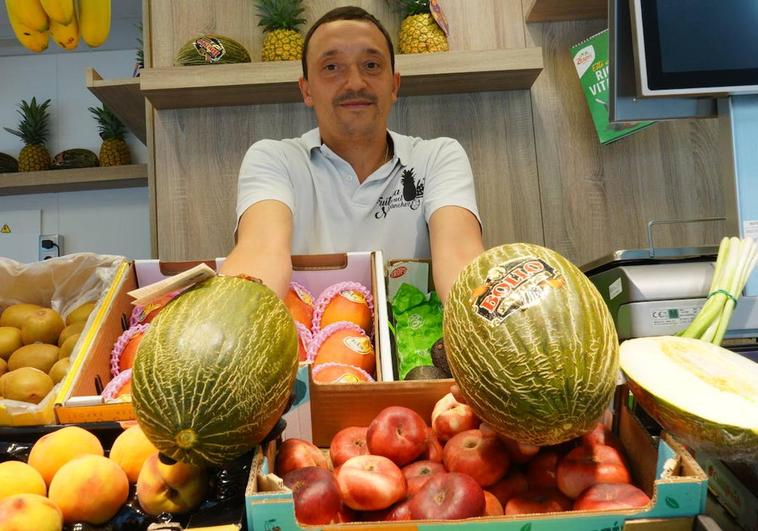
(332, 212)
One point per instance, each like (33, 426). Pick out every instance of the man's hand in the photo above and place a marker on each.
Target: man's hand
(264, 239)
(456, 239)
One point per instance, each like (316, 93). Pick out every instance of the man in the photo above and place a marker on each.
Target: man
(350, 184)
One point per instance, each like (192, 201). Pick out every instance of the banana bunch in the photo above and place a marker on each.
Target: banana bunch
(66, 21)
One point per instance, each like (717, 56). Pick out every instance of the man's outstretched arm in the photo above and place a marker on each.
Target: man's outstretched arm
(264, 240)
(456, 239)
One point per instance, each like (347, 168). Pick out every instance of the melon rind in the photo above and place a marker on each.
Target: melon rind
(218, 363)
(717, 415)
(547, 372)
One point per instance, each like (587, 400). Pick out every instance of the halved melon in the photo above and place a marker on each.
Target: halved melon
(705, 395)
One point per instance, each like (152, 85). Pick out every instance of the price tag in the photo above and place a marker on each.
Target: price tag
(143, 296)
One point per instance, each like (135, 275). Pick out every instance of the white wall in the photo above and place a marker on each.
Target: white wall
(102, 221)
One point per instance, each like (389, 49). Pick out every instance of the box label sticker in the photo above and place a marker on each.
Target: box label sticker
(674, 316)
(615, 289)
(750, 228)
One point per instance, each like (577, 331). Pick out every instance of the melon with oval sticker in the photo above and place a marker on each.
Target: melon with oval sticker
(531, 344)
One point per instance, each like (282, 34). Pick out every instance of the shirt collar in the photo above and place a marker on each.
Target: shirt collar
(400, 145)
(312, 139)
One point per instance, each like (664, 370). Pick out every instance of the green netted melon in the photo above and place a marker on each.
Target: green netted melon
(8, 164)
(531, 344)
(705, 395)
(211, 49)
(214, 371)
(74, 158)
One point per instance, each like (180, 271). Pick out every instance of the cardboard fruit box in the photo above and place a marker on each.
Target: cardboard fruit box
(675, 483)
(63, 284)
(81, 401)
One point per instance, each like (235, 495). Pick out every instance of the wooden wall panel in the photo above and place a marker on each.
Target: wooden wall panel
(595, 198)
(198, 151)
(181, 20)
(495, 130)
(484, 24)
(199, 156)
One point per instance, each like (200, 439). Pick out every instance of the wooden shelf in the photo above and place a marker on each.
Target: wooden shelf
(98, 178)
(556, 10)
(255, 83)
(123, 98)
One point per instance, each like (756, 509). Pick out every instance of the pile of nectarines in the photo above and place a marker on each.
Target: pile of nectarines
(400, 468)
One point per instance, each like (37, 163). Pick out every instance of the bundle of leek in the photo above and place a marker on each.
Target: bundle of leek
(736, 260)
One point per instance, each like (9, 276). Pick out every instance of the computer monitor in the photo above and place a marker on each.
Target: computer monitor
(624, 103)
(695, 47)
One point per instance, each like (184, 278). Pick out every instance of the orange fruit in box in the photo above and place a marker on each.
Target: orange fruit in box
(125, 390)
(145, 314)
(330, 373)
(126, 361)
(125, 348)
(119, 388)
(299, 302)
(304, 337)
(345, 343)
(345, 301)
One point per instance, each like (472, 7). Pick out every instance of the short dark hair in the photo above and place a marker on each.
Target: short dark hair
(346, 13)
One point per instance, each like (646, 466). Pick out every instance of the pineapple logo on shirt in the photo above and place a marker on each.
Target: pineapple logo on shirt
(409, 196)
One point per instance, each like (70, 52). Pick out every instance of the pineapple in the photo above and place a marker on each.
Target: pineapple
(419, 32)
(140, 51)
(33, 131)
(280, 19)
(114, 151)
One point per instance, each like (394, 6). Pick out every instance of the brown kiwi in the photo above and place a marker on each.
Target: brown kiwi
(42, 326)
(38, 355)
(26, 384)
(68, 346)
(15, 314)
(80, 313)
(70, 330)
(59, 370)
(10, 340)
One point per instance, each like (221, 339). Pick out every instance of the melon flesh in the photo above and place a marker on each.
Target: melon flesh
(704, 394)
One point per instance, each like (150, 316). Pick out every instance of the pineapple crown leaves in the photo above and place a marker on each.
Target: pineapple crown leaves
(33, 128)
(413, 7)
(140, 48)
(280, 14)
(109, 126)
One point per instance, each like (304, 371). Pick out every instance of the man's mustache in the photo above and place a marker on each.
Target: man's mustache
(349, 96)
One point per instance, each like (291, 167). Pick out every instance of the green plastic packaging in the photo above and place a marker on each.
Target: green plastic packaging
(418, 325)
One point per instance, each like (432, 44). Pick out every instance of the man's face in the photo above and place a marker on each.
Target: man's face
(350, 82)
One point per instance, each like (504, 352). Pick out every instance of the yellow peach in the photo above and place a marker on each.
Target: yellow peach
(90, 488)
(19, 478)
(55, 449)
(177, 488)
(29, 511)
(130, 450)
